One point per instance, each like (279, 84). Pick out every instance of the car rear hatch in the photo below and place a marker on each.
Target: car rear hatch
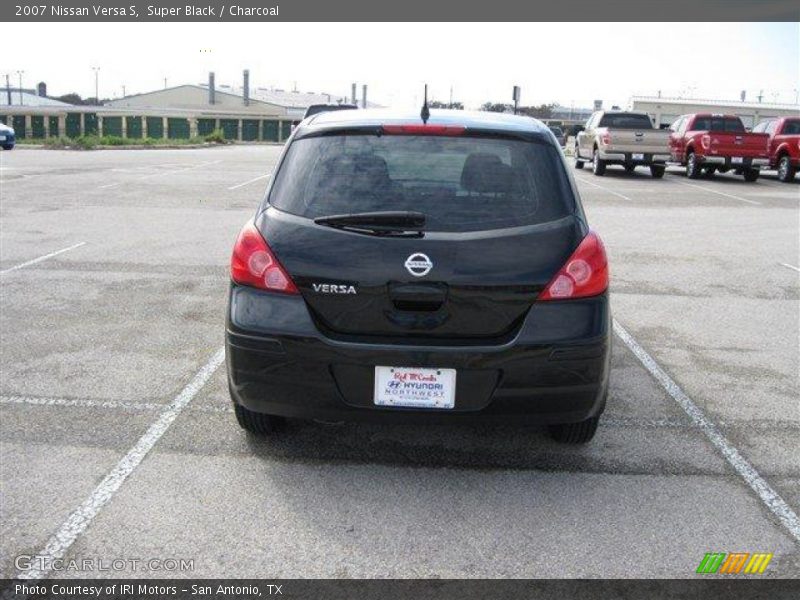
(438, 234)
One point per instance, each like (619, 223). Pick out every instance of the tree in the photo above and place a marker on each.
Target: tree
(438, 104)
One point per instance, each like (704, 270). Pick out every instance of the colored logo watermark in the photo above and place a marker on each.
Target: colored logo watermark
(734, 563)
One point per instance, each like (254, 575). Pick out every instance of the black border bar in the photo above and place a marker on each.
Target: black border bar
(740, 587)
(399, 10)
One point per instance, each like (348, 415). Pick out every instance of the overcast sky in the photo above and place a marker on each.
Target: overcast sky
(562, 62)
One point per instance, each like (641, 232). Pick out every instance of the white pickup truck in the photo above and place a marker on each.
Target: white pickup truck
(625, 138)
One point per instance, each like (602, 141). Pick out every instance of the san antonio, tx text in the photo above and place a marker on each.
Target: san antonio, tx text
(60, 589)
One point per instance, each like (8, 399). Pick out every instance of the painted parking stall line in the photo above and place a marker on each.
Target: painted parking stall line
(788, 266)
(79, 520)
(103, 404)
(160, 174)
(771, 499)
(707, 189)
(259, 178)
(601, 187)
(41, 258)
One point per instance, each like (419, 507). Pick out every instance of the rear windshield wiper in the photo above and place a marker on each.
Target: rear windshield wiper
(389, 223)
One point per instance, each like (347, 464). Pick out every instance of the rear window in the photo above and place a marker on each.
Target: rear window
(791, 127)
(719, 124)
(625, 121)
(459, 183)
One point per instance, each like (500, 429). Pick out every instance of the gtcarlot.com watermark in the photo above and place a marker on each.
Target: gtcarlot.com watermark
(29, 562)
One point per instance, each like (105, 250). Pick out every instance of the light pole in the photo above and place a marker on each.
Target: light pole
(20, 73)
(96, 85)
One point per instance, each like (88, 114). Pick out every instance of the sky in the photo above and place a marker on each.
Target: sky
(565, 63)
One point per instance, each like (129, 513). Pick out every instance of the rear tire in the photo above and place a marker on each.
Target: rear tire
(575, 433)
(578, 161)
(786, 171)
(692, 166)
(709, 172)
(599, 165)
(751, 174)
(256, 423)
(630, 168)
(657, 171)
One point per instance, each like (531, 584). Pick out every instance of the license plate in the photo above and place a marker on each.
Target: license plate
(638, 157)
(414, 387)
(737, 160)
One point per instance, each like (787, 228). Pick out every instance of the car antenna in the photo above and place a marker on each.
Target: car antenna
(425, 113)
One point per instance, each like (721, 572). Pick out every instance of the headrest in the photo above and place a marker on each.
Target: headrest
(486, 174)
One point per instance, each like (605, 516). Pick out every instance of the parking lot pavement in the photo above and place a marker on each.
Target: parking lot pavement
(100, 343)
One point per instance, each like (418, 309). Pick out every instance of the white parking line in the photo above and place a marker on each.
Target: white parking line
(788, 266)
(769, 497)
(79, 520)
(41, 258)
(238, 185)
(702, 187)
(605, 189)
(160, 174)
(105, 404)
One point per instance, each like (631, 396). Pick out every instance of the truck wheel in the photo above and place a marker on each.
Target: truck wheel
(692, 166)
(578, 161)
(785, 169)
(575, 433)
(599, 165)
(657, 171)
(630, 168)
(750, 174)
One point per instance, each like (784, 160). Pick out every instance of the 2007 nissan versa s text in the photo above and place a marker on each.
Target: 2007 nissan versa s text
(409, 270)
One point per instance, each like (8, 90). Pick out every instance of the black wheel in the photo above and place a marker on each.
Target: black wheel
(578, 161)
(657, 171)
(692, 166)
(575, 433)
(8, 146)
(630, 168)
(257, 423)
(599, 165)
(751, 174)
(786, 171)
(709, 171)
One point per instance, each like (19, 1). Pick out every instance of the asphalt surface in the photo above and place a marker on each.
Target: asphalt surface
(101, 341)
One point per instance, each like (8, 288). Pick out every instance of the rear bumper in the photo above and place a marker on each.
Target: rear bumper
(727, 161)
(555, 370)
(634, 158)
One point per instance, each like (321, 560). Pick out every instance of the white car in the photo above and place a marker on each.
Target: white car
(7, 137)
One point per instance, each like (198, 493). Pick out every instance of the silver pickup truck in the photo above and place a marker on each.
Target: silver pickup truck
(622, 138)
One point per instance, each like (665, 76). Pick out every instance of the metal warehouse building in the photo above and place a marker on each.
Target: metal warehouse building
(178, 112)
(664, 111)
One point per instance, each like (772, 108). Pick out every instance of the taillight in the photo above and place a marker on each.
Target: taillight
(423, 129)
(706, 141)
(605, 139)
(254, 264)
(584, 274)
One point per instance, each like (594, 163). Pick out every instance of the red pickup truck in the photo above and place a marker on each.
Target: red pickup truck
(711, 142)
(784, 145)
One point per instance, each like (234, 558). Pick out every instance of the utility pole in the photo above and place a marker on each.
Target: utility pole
(451, 98)
(96, 85)
(20, 73)
(165, 83)
(8, 89)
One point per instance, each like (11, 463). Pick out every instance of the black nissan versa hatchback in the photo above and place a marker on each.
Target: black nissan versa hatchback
(414, 271)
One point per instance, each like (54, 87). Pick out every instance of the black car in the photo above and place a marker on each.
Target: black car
(408, 271)
(559, 134)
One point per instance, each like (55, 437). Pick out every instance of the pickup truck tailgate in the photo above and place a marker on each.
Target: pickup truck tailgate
(652, 141)
(747, 145)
